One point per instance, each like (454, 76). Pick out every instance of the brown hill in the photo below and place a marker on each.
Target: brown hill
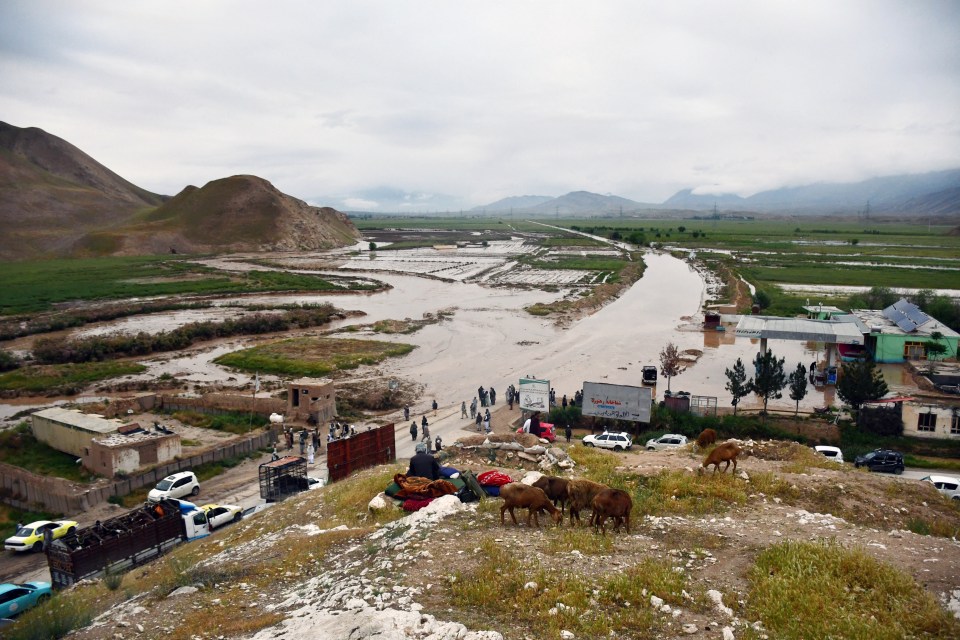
(52, 193)
(240, 213)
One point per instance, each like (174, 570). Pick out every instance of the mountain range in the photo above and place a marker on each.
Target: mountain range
(55, 200)
(919, 195)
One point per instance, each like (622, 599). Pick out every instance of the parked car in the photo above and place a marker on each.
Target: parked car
(832, 453)
(17, 598)
(666, 441)
(615, 441)
(221, 514)
(547, 431)
(947, 485)
(881, 460)
(178, 485)
(29, 537)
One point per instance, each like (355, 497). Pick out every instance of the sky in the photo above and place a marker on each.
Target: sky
(390, 105)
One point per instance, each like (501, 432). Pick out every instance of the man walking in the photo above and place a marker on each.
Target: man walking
(413, 430)
(463, 409)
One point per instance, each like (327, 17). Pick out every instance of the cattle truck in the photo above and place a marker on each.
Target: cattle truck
(124, 541)
(282, 477)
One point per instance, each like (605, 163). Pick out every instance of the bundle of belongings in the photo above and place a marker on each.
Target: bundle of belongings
(415, 492)
(491, 481)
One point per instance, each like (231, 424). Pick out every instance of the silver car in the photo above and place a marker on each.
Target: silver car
(666, 441)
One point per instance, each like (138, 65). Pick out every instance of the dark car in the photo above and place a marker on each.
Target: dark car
(881, 460)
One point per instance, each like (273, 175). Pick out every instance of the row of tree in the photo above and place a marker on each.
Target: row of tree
(859, 381)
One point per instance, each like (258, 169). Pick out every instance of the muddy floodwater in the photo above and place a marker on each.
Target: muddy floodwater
(491, 341)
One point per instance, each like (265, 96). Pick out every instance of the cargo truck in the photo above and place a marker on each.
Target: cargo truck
(124, 541)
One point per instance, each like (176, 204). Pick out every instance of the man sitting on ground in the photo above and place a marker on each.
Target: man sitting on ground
(423, 464)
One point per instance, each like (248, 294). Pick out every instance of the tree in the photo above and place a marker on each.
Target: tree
(373, 246)
(762, 299)
(737, 383)
(770, 378)
(935, 349)
(798, 386)
(670, 362)
(860, 382)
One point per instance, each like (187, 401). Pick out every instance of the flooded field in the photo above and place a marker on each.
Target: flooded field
(490, 340)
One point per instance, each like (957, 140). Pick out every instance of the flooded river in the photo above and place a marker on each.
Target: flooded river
(490, 340)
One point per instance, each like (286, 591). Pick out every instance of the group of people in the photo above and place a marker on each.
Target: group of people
(487, 397)
(340, 430)
(424, 432)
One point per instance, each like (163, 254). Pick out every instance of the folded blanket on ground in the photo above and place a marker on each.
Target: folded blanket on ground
(449, 472)
(414, 504)
(493, 478)
(417, 487)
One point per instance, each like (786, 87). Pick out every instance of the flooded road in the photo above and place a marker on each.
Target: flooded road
(490, 340)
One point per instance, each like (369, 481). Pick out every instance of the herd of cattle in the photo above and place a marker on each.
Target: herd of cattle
(550, 492)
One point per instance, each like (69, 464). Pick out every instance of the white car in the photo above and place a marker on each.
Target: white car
(178, 485)
(947, 485)
(615, 441)
(831, 453)
(221, 514)
(666, 441)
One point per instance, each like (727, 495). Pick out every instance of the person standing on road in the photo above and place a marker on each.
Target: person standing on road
(413, 430)
(479, 420)
(568, 432)
(473, 408)
(434, 405)
(425, 436)
(310, 451)
(463, 409)
(486, 421)
(406, 412)
(303, 442)
(438, 444)
(493, 396)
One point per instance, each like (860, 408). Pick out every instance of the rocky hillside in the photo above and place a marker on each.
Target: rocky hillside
(240, 213)
(52, 193)
(55, 200)
(726, 556)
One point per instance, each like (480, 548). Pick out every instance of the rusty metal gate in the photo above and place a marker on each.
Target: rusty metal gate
(366, 449)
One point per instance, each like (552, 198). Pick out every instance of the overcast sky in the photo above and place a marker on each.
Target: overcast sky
(340, 102)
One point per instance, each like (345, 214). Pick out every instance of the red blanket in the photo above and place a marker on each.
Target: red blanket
(493, 479)
(412, 504)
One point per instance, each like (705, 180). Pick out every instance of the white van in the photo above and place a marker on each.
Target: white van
(947, 485)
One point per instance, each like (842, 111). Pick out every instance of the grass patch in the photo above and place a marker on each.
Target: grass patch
(589, 607)
(64, 378)
(231, 422)
(53, 619)
(19, 448)
(682, 493)
(37, 285)
(312, 357)
(818, 590)
(938, 527)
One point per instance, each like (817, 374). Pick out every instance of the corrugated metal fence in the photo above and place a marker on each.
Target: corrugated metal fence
(367, 449)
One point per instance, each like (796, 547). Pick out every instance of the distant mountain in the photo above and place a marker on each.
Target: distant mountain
(52, 193)
(935, 193)
(240, 213)
(55, 200)
(576, 203)
(514, 202)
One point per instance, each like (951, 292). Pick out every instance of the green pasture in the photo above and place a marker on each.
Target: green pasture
(34, 286)
(313, 357)
(64, 378)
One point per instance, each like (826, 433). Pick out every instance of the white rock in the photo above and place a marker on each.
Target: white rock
(656, 602)
(567, 635)
(378, 503)
(690, 628)
(728, 633)
(182, 591)
(531, 586)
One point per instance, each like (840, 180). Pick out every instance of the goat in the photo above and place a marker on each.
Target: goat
(611, 503)
(555, 488)
(706, 438)
(726, 452)
(517, 494)
(580, 494)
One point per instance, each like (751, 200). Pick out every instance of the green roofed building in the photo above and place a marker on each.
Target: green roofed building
(902, 332)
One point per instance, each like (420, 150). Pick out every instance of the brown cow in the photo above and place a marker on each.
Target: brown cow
(726, 452)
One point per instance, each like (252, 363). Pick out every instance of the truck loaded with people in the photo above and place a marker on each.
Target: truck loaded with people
(125, 541)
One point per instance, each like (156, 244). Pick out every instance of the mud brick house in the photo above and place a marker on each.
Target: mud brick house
(130, 449)
(311, 400)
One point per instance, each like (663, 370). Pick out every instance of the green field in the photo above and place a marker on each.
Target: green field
(314, 357)
(64, 378)
(34, 286)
